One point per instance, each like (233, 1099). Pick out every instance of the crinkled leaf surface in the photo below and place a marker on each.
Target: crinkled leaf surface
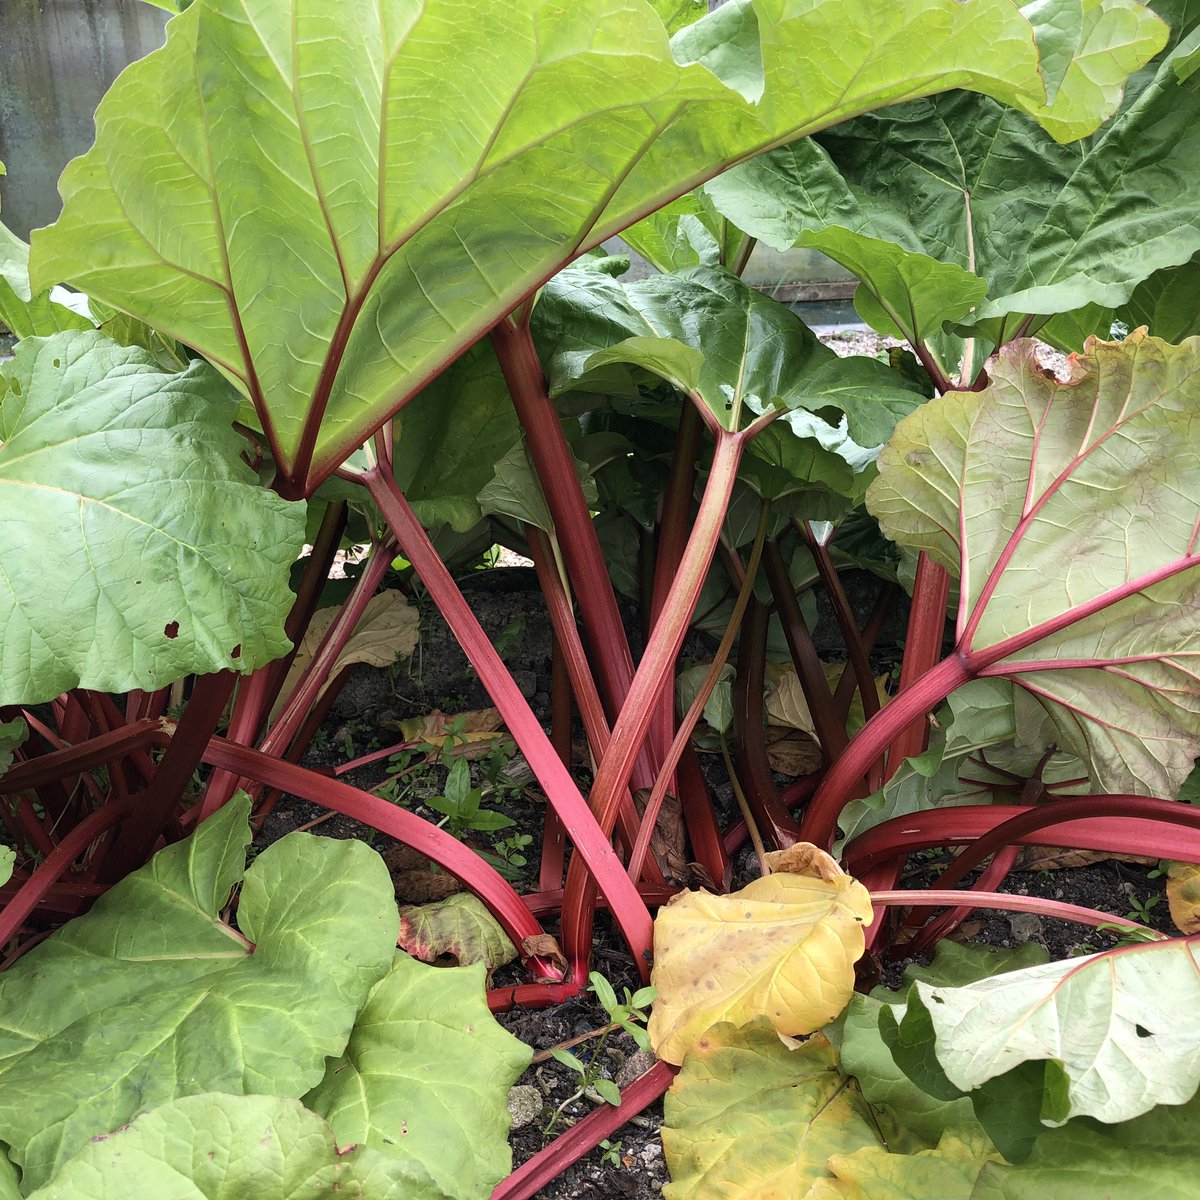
(962, 187)
(783, 948)
(449, 439)
(158, 553)
(460, 926)
(22, 313)
(752, 1118)
(726, 341)
(1070, 513)
(426, 1076)
(947, 1172)
(222, 1147)
(1117, 1027)
(212, 1012)
(308, 195)
(387, 630)
(1155, 1155)
(1183, 896)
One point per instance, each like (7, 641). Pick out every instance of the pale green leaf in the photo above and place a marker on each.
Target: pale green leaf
(1069, 511)
(158, 553)
(215, 1010)
(1115, 1027)
(426, 1077)
(317, 197)
(221, 1147)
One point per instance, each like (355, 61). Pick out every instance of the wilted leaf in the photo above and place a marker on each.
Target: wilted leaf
(1183, 896)
(158, 551)
(220, 1147)
(945, 1173)
(216, 1010)
(1071, 511)
(750, 1118)
(460, 927)
(790, 752)
(426, 1077)
(1113, 1029)
(387, 630)
(477, 731)
(784, 948)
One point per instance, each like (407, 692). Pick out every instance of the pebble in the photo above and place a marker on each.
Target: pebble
(524, 1105)
(1025, 926)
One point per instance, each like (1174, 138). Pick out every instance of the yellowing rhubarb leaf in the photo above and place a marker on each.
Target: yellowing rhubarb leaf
(783, 948)
(1183, 895)
(750, 1118)
(387, 630)
(947, 1173)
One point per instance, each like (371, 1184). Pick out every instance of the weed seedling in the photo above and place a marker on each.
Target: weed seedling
(611, 1153)
(460, 805)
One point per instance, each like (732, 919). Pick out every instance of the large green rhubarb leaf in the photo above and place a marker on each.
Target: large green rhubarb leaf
(1070, 512)
(1153, 1156)
(750, 1118)
(934, 203)
(151, 996)
(1114, 1030)
(740, 354)
(317, 197)
(426, 1076)
(221, 1147)
(137, 546)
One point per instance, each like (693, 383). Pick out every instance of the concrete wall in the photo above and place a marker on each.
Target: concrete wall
(57, 58)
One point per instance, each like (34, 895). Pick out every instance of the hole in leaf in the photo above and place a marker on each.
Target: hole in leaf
(1142, 1031)
(58, 362)
(172, 630)
(236, 652)
(938, 1000)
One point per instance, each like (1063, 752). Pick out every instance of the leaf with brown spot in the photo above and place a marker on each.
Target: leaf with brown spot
(459, 927)
(784, 948)
(1183, 896)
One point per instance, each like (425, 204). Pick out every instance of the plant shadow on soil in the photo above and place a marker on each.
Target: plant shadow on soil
(439, 677)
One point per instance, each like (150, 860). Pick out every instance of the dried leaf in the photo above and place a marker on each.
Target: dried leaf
(805, 859)
(668, 842)
(476, 735)
(388, 630)
(459, 927)
(1183, 895)
(784, 948)
(791, 752)
(543, 945)
(1056, 858)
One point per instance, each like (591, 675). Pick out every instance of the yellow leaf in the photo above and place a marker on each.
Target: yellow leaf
(1183, 895)
(947, 1173)
(750, 1118)
(783, 948)
(388, 629)
(477, 731)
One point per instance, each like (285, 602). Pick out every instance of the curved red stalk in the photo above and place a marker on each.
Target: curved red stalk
(944, 925)
(59, 860)
(843, 778)
(1163, 829)
(593, 852)
(464, 864)
(585, 1135)
(653, 674)
(1033, 904)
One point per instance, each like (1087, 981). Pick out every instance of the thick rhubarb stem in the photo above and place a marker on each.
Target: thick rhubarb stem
(922, 649)
(555, 466)
(843, 778)
(653, 674)
(593, 851)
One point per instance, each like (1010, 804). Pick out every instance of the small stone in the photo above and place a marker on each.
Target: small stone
(1025, 927)
(524, 1105)
(633, 1067)
(651, 1153)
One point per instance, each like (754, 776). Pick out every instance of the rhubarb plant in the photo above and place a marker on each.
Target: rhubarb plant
(343, 289)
